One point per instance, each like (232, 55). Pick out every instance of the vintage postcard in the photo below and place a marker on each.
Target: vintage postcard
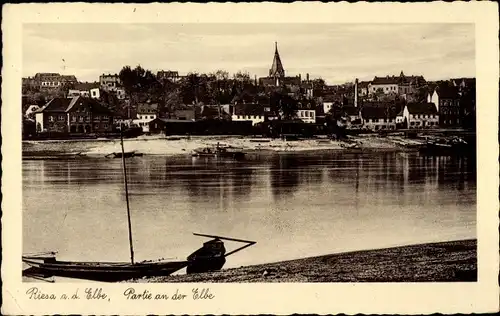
(250, 158)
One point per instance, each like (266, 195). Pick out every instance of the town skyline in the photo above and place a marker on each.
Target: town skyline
(337, 53)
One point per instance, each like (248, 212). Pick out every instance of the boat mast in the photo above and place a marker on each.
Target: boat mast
(126, 197)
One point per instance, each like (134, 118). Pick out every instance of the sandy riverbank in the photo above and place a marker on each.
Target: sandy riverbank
(151, 145)
(439, 262)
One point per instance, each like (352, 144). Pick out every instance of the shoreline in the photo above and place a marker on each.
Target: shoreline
(174, 146)
(451, 261)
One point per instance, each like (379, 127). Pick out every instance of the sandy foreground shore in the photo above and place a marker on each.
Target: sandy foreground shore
(157, 145)
(436, 262)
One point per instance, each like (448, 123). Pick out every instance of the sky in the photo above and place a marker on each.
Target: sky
(337, 53)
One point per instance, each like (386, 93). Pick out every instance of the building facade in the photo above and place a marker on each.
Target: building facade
(447, 101)
(378, 118)
(109, 82)
(420, 116)
(76, 115)
(248, 112)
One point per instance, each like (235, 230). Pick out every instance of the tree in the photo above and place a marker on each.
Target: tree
(285, 105)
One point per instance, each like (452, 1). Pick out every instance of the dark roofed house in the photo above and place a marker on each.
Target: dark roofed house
(378, 118)
(420, 115)
(249, 112)
(147, 111)
(76, 115)
(446, 97)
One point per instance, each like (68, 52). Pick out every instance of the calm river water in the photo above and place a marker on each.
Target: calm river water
(292, 205)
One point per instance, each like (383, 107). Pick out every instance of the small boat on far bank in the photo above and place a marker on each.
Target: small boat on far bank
(218, 151)
(128, 154)
(58, 156)
(451, 147)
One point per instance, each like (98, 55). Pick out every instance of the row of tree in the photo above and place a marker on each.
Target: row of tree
(142, 85)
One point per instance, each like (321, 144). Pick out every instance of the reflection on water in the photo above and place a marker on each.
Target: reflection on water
(292, 205)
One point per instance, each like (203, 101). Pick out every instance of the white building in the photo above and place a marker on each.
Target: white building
(95, 93)
(307, 115)
(109, 82)
(420, 115)
(146, 112)
(387, 85)
(248, 112)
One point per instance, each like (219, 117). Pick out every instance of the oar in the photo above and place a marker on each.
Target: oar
(248, 242)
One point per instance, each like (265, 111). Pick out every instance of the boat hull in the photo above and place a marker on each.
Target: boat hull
(101, 271)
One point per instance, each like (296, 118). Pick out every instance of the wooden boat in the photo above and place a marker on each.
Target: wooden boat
(127, 154)
(210, 257)
(218, 151)
(98, 271)
(64, 156)
(445, 148)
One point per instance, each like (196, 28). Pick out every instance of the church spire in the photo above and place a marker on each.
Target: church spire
(277, 67)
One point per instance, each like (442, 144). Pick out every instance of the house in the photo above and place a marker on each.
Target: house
(363, 88)
(109, 82)
(446, 98)
(75, 115)
(248, 112)
(401, 85)
(378, 118)
(168, 75)
(84, 89)
(420, 115)
(95, 93)
(400, 119)
(306, 113)
(49, 81)
(385, 85)
(146, 112)
(330, 100)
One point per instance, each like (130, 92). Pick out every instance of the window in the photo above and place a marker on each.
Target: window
(87, 118)
(73, 118)
(96, 126)
(412, 123)
(106, 126)
(61, 117)
(51, 118)
(105, 117)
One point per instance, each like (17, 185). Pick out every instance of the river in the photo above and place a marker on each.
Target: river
(293, 206)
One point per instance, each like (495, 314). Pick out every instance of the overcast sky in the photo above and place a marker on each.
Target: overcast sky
(335, 52)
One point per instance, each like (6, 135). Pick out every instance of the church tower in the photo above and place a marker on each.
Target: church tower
(277, 70)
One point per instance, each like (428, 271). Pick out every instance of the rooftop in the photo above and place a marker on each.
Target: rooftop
(377, 112)
(421, 108)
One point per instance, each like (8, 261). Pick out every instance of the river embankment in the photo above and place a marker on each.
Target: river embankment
(433, 262)
(157, 145)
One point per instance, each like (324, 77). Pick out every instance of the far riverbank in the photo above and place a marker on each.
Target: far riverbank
(434, 262)
(157, 145)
